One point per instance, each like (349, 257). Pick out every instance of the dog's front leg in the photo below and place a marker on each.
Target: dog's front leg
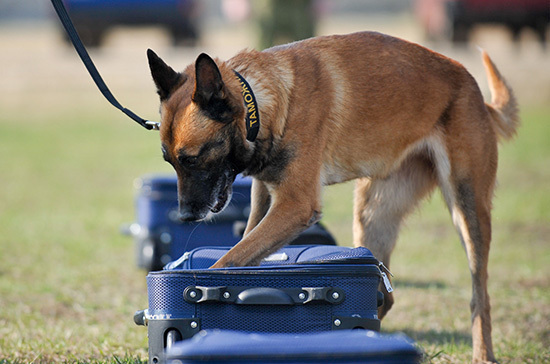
(292, 210)
(260, 200)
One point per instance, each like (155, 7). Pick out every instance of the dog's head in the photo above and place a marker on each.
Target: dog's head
(200, 132)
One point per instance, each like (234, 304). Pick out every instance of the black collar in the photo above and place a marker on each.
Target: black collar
(252, 118)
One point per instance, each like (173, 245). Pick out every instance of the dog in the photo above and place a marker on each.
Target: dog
(395, 116)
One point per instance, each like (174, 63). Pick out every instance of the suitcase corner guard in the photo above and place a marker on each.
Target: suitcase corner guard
(263, 295)
(169, 330)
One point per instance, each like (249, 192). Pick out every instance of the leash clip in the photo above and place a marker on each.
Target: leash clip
(155, 125)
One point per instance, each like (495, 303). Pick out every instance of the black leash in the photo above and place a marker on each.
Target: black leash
(81, 50)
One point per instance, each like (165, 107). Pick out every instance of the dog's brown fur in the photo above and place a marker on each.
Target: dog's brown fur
(397, 117)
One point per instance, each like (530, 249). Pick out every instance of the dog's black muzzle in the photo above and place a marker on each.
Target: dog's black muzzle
(202, 194)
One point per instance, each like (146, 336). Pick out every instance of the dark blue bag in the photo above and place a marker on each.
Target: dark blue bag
(339, 347)
(161, 237)
(299, 289)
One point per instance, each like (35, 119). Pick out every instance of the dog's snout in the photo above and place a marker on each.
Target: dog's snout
(190, 212)
(187, 215)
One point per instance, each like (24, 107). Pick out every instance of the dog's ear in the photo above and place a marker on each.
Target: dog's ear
(209, 81)
(210, 93)
(166, 79)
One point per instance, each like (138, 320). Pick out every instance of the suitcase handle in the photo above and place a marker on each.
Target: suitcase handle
(263, 295)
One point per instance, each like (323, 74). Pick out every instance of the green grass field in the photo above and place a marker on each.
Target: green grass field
(69, 284)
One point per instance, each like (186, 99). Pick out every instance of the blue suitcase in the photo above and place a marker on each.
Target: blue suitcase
(339, 347)
(161, 237)
(299, 289)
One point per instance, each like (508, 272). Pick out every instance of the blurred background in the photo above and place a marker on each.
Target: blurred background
(68, 279)
(36, 55)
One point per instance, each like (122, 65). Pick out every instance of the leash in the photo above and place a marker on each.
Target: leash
(92, 70)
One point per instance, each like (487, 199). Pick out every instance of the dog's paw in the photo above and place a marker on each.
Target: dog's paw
(223, 264)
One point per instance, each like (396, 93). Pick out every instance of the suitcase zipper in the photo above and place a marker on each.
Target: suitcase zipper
(381, 264)
(387, 282)
(385, 278)
(179, 262)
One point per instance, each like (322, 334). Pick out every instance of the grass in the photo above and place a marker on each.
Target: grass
(69, 283)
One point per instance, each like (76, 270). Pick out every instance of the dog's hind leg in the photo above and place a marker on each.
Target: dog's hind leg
(472, 218)
(468, 197)
(381, 205)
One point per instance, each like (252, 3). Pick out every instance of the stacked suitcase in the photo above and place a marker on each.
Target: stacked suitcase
(306, 301)
(349, 347)
(300, 290)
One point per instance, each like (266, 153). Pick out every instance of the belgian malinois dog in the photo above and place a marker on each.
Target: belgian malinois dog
(396, 116)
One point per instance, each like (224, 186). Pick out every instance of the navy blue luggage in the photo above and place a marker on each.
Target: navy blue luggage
(299, 289)
(161, 237)
(338, 347)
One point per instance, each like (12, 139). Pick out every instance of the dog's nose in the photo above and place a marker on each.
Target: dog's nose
(187, 215)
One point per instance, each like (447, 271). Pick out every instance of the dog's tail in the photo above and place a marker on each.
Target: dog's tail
(503, 107)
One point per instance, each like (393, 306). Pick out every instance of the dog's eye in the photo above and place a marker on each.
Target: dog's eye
(188, 161)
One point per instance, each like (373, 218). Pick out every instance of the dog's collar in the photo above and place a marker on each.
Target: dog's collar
(252, 119)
